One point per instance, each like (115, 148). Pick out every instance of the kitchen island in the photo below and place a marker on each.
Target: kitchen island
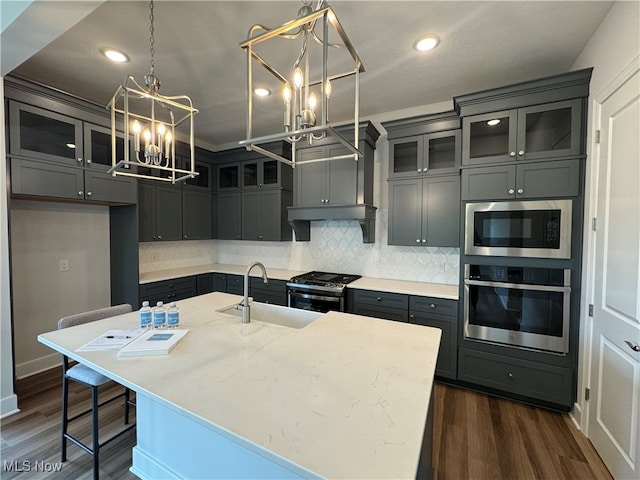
(343, 397)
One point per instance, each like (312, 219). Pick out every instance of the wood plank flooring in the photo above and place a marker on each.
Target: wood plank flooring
(476, 437)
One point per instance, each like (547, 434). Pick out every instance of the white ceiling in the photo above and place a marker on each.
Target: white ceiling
(483, 45)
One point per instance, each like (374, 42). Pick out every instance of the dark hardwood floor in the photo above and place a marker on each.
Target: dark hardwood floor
(476, 437)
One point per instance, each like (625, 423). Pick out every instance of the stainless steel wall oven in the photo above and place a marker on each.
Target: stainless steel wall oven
(528, 228)
(518, 306)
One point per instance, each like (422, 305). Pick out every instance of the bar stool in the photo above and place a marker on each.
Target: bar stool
(86, 376)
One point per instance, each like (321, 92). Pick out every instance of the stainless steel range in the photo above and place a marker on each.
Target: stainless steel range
(319, 291)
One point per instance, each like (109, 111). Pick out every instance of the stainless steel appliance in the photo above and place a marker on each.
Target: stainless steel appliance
(528, 228)
(319, 291)
(519, 306)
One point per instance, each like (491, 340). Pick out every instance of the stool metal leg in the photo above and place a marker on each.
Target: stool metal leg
(127, 400)
(96, 442)
(65, 415)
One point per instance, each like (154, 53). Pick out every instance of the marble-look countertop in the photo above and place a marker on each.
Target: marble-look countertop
(438, 290)
(344, 397)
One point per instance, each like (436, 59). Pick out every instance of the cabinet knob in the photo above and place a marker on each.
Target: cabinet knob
(433, 305)
(159, 237)
(79, 159)
(88, 194)
(510, 375)
(379, 299)
(417, 240)
(424, 240)
(186, 237)
(520, 191)
(260, 237)
(412, 318)
(155, 238)
(88, 161)
(80, 193)
(512, 154)
(419, 170)
(511, 191)
(521, 152)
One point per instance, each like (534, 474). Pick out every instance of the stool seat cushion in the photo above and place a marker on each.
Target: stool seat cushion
(86, 375)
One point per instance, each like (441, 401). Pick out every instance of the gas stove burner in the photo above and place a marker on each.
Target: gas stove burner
(324, 279)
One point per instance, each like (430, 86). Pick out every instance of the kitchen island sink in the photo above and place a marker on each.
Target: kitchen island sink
(345, 396)
(276, 314)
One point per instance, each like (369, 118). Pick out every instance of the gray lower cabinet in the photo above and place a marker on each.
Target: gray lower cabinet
(235, 284)
(275, 292)
(264, 215)
(386, 305)
(425, 211)
(560, 178)
(536, 380)
(168, 290)
(443, 314)
(160, 212)
(196, 215)
(54, 180)
(230, 216)
(204, 283)
(220, 282)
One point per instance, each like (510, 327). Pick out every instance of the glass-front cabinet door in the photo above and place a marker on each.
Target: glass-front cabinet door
(489, 138)
(97, 147)
(229, 177)
(432, 153)
(45, 135)
(405, 156)
(260, 174)
(551, 130)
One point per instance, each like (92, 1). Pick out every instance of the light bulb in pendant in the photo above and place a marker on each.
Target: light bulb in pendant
(286, 93)
(327, 88)
(161, 130)
(298, 77)
(312, 102)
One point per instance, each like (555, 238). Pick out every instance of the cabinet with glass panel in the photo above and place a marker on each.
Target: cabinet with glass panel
(265, 173)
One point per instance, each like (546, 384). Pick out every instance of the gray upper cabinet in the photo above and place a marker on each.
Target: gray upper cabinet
(262, 215)
(97, 147)
(229, 216)
(560, 178)
(228, 177)
(332, 182)
(45, 135)
(433, 153)
(196, 215)
(425, 211)
(160, 212)
(529, 133)
(265, 173)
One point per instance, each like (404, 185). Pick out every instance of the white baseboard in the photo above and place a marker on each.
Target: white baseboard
(576, 415)
(9, 405)
(38, 365)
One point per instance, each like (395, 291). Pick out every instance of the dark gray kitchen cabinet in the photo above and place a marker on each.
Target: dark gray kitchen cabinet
(204, 283)
(220, 282)
(275, 292)
(228, 177)
(160, 212)
(167, 291)
(97, 147)
(265, 173)
(39, 133)
(235, 284)
(55, 180)
(264, 215)
(443, 314)
(326, 183)
(372, 303)
(203, 165)
(535, 132)
(230, 216)
(558, 178)
(432, 153)
(425, 211)
(196, 215)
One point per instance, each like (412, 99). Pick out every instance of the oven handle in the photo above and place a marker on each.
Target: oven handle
(518, 286)
(314, 297)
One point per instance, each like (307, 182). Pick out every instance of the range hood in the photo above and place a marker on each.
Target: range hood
(300, 219)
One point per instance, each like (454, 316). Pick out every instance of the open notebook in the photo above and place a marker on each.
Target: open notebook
(153, 342)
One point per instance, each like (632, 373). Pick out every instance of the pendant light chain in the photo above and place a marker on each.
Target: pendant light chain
(151, 38)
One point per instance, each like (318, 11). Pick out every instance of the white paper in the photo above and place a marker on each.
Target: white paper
(112, 340)
(153, 342)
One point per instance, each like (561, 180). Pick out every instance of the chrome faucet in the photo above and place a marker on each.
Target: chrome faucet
(244, 306)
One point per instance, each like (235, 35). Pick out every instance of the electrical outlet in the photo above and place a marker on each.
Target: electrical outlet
(64, 265)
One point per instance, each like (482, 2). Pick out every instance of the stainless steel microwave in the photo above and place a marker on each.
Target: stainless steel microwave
(527, 228)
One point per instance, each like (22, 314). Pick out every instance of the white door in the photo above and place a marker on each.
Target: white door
(614, 422)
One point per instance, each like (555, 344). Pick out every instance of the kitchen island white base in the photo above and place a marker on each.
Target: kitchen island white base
(173, 444)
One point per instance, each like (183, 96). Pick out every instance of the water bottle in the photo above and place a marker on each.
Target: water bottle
(173, 316)
(159, 316)
(145, 315)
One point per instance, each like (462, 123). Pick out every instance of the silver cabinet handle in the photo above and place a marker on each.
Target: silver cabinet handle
(79, 159)
(379, 299)
(633, 346)
(159, 237)
(88, 194)
(512, 154)
(521, 152)
(520, 191)
(510, 375)
(80, 193)
(433, 305)
(417, 240)
(419, 170)
(88, 160)
(511, 191)
(424, 240)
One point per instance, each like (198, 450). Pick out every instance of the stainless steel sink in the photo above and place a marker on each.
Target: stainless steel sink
(276, 314)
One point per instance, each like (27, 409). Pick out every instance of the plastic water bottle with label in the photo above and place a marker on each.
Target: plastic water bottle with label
(173, 316)
(159, 316)
(145, 315)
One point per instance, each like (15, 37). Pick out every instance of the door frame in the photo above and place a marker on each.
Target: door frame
(580, 412)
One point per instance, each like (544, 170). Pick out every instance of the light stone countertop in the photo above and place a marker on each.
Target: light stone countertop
(438, 290)
(344, 397)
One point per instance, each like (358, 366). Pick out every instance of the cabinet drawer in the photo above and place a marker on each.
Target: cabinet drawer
(381, 299)
(204, 283)
(235, 284)
(543, 382)
(168, 290)
(386, 313)
(439, 306)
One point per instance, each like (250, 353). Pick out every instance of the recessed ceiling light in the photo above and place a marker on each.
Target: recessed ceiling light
(427, 42)
(115, 55)
(262, 92)
(493, 122)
